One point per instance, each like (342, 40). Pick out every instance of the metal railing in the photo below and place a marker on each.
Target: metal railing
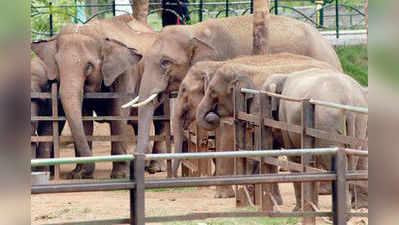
(137, 184)
(49, 15)
(262, 123)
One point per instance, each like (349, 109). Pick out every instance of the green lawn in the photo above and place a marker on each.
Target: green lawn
(354, 60)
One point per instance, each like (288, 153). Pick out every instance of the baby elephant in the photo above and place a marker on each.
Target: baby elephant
(324, 85)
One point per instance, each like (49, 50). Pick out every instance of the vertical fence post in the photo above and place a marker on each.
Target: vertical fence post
(340, 188)
(337, 17)
(114, 8)
(251, 6)
(201, 7)
(56, 134)
(264, 140)
(227, 8)
(276, 7)
(137, 195)
(51, 19)
(309, 190)
(240, 143)
(168, 137)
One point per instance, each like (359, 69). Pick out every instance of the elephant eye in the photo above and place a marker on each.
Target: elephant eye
(165, 63)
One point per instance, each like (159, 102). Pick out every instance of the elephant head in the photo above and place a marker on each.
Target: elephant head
(191, 92)
(275, 84)
(218, 98)
(83, 63)
(165, 65)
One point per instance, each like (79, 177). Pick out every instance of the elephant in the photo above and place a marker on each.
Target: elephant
(192, 91)
(177, 48)
(41, 107)
(325, 85)
(100, 56)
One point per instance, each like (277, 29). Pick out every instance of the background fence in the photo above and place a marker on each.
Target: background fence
(49, 16)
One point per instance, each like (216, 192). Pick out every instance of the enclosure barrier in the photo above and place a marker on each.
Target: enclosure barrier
(137, 184)
(259, 124)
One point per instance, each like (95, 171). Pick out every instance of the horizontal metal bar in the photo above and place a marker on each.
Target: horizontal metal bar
(114, 138)
(96, 118)
(209, 215)
(340, 106)
(252, 91)
(193, 155)
(71, 160)
(96, 222)
(357, 152)
(82, 187)
(229, 154)
(196, 182)
(94, 95)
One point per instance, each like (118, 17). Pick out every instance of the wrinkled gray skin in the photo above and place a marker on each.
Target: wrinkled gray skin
(328, 86)
(249, 71)
(41, 107)
(81, 59)
(177, 48)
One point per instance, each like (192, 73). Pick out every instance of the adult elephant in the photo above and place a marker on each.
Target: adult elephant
(96, 57)
(192, 91)
(223, 78)
(177, 48)
(41, 107)
(328, 86)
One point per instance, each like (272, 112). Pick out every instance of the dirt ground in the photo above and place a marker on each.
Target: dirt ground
(69, 207)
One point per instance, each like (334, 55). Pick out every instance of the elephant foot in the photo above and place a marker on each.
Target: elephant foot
(82, 171)
(120, 170)
(225, 192)
(156, 167)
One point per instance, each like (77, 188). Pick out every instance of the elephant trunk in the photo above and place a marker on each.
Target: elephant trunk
(206, 118)
(178, 136)
(71, 92)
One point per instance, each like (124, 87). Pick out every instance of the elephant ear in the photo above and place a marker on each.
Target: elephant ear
(201, 48)
(46, 50)
(275, 84)
(117, 59)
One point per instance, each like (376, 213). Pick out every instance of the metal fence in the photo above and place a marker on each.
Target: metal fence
(47, 19)
(307, 174)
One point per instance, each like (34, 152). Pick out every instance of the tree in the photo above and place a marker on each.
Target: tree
(140, 9)
(260, 27)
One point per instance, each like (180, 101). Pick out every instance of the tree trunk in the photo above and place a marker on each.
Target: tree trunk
(260, 27)
(140, 9)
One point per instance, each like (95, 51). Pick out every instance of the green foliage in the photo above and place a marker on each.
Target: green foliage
(354, 61)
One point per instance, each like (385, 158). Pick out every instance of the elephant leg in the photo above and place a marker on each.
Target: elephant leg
(84, 171)
(159, 147)
(224, 167)
(119, 169)
(297, 187)
(44, 128)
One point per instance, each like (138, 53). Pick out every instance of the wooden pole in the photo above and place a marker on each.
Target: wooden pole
(260, 27)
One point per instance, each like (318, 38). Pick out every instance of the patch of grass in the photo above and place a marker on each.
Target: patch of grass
(354, 61)
(243, 221)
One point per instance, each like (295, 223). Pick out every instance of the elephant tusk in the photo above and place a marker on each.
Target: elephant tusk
(136, 99)
(145, 102)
